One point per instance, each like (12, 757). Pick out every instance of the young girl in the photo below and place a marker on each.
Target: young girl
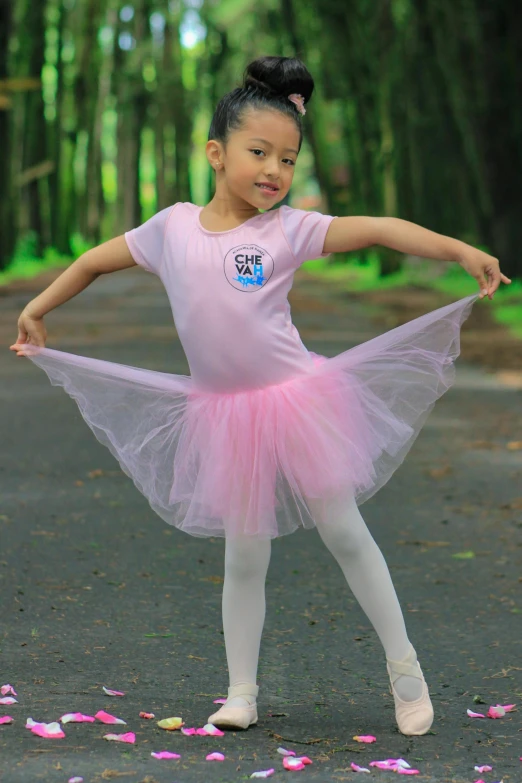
(265, 436)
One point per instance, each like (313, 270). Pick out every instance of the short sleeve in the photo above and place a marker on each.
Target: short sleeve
(305, 232)
(146, 241)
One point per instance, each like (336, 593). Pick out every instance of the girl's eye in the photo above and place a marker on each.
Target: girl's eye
(287, 159)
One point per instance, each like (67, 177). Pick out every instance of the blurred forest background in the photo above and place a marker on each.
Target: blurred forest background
(105, 107)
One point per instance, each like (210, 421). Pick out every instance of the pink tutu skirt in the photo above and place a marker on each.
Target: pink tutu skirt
(215, 464)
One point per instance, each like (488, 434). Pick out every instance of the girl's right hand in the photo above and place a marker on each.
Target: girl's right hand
(30, 330)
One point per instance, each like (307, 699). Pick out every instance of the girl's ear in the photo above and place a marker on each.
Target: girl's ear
(213, 152)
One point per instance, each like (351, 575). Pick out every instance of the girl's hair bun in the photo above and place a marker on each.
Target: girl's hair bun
(279, 76)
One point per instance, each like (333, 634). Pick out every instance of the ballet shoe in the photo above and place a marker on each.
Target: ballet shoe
(413, 717)
(237, 717)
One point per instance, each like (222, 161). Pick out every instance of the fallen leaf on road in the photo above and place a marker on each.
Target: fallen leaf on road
(468, 555)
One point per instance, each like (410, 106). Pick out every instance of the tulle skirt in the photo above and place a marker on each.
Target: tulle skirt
(249, 462)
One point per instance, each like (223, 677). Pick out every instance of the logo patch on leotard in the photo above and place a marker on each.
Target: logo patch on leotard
(248, 267)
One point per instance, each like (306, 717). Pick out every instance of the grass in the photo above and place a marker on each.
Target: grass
(352, 275)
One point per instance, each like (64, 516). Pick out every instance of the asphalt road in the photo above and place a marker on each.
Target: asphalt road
(97, 590)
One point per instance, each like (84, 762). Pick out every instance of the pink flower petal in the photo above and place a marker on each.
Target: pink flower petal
(6, 689)
(508, 707)
(215, 757)
(6, 719)
(284, 752)
(104, 717)
(264, 773)
(188, 732)
(127, 737)
(484, 768)
(213, 731)
(496, 712)
(364, 738)
(47, 730)
(291, 763)
(382, 764)
(472, 714)
(148, 715)
(8, 700)
(399, 763)
(201, 732)
(165, 754)
(356, 768)
(219, 701)
(403, 771)
(76, 717)
(75, 780)
(305, 760)
(112, 693)
(480, 781)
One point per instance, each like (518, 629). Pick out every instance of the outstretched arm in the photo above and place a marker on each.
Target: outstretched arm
(352, 233)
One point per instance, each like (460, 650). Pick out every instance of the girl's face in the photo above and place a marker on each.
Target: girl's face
(265, 150)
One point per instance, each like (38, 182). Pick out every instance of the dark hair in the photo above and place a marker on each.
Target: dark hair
(267, 83)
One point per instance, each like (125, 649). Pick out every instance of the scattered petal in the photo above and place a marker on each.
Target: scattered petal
(508, 707)
(6, 689)
(364, 738)
(215, 757)
(188, 732)
(496, 712)
(129, 736)
(356, 768)
(165, 754)
(284, 752)
(305, 760)
(395, 764)
(170, 724)
(112, 693)
(220, 701)
(104, 717)
(6, 719)
(484, 768)
(480, 781)
(148, 715)
(46, 730)
(75, 780)
(264, 773)
(291, 763)
(8, 700)
(472, 714)
(213, 731)
(403, 771)
(76, 717)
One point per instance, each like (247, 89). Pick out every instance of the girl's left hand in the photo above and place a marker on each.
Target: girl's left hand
(484, 268)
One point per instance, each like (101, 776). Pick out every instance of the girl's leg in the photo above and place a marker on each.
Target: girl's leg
(346, 535)
(246, 566)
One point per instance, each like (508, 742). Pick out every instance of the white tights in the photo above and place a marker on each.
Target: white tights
(344, 532)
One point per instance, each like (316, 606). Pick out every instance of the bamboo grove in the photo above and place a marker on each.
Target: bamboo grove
(416, 113)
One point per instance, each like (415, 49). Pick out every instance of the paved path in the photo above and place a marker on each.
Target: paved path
(97, 590)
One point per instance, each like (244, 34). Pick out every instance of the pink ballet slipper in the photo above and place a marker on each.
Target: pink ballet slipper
(413, 717)
(237, 717)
